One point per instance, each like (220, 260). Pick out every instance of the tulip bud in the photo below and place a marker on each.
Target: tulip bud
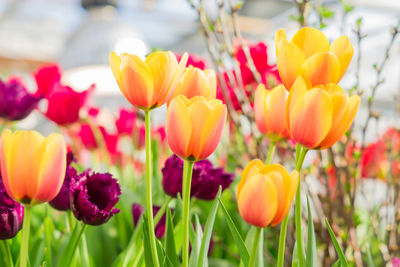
(11, 215)
(194, 126)
(32, 166)
(265, 193)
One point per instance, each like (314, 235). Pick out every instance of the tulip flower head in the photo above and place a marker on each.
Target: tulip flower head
(16, 103)
(318, 117)
(46, 76)
(310, 55)
(93, 197)
(269, 109)
(196, 82)
(32, 166)
(265, 193)
(147, 84)
(206, 179)
(194, 126)
(11, 215)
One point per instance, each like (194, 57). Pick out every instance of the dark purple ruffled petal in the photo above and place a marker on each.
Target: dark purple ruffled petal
(93, 197)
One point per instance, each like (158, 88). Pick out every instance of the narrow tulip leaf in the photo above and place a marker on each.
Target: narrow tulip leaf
(260, 250)
(164, 258)
(146, 244)
(311, 258)
(205, 243)
(169, 243)
(196, 244)
(249, 244)
(49, 230)
(339, 251)
(295, 259)
(336, 264)
(73, 242)
(244, 253)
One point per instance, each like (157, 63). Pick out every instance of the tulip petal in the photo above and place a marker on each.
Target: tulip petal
(289, 61)
(321, 68)
(311, 117)
(298, 91)
(137, 81)
(343, 49)
(342, 122)
(252, 168)
(52, 169)
(115, 64)
(310, 41)
(177, 76)
(23, 164)
(179, 127)
(6, 141)
(257, 200)
(275, 109)
(212, 130)
(259, 108)
(279, 35)
(163, 67)
(212, 81)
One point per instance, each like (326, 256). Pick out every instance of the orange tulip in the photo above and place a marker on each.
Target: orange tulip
(147, 84)
(318, 117)
(32, 166)
(196, 82)
(194, 126)
(265, 193)
(269, 109)
(309, 54)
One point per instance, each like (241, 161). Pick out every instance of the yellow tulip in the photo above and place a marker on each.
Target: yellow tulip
(196, 82)
(194, 126)
(32, 166)
(269, 110)
(309, 54)
(147, 84)
(318, 117)
(265, 193)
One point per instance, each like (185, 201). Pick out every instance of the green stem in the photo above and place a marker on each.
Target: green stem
(6, 251)
(282, 241)
(84, 251)
(70, 220)
(252, 261)
(149, 203)
(271, 151)
(25, 237)
(70, 249)
(48, 237)
(187, 181)
(301, 154)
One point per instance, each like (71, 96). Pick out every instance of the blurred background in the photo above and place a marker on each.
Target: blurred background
(80, 34)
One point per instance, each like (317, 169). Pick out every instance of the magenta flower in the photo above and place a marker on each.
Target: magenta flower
(62, 200)
(137, 211)
(16, 103)
(11, 215)
(205, 179)
(94, 196)
(126, 121)
(46, 76)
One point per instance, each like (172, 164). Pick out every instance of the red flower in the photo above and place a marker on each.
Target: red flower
(46, 76)
(231, 92)
(194, 61)
(259, 54)
(126, 121)
(64, 104)
(373, 161)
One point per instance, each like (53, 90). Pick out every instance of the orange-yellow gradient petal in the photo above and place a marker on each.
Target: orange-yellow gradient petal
(31, 163)
(311, 117)
(310, 41)
(265, 193)
(269, 109)
(343, 49)
(321, 68)
(194, 126)
(147, 84)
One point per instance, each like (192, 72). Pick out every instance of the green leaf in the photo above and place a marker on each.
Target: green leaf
(146, 244)
(169, 244)
(196, 244)
(311, 258)
(244, 253)
(249, 244)
(49, 230)
(336, 264)
(205, 243)
(69, 251)
(339, 250)
(295, 259)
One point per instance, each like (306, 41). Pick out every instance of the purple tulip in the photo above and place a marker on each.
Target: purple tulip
(62, 200)
(93, 197)
(11, 215)
(16, 103)
(137, 211)
(205, 178)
